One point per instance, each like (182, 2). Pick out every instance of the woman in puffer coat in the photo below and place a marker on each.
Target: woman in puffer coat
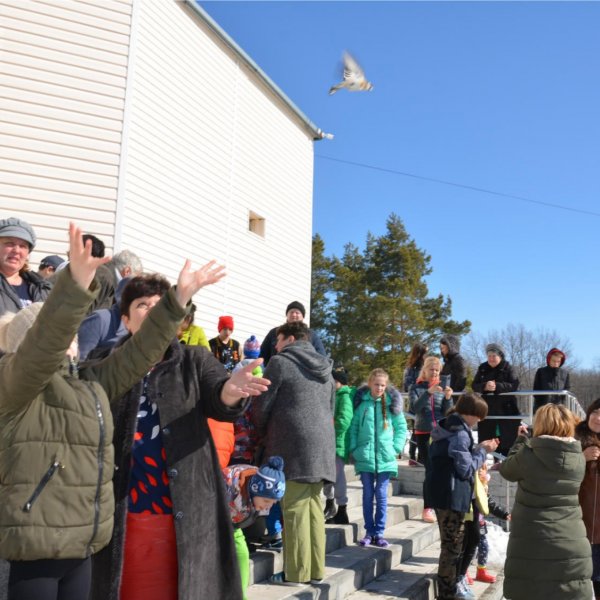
(377, 438)
(56, 454)
(548, 554)
(588, 433)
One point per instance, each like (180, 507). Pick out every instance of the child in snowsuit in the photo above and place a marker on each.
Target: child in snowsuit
(251, 491)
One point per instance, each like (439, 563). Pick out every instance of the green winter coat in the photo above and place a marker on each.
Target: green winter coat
(375, 448)
(56, 430)
(343, 419)
(548, 554)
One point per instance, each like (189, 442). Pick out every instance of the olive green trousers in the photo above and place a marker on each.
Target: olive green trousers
(303, 532)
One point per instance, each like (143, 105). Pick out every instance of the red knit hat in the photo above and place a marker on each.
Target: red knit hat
(225, 321)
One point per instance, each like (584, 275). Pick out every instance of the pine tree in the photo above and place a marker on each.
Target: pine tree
(379, 304)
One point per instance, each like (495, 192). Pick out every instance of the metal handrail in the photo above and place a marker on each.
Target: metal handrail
(571, 403)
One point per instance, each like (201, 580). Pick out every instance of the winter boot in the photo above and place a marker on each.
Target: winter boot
(341, 517)
(329, 509)
(483, 575)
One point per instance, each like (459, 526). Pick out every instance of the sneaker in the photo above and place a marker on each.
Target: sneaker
(483, 575)
(413, 463)
(468, 579)
(275, 543)
(316, 581)
(279, 579)
(330, 509)
(462, 590)
(428, 515)
(366, 541)
(381, 542)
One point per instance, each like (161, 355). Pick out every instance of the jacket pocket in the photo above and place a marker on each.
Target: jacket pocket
(364, 453)
(41, 485)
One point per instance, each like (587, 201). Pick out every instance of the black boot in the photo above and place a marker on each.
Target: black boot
(341, 517)
(329, 509)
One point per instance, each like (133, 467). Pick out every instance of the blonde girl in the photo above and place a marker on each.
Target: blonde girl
(377, 438)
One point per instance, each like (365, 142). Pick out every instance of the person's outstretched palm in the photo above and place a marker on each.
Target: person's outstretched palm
(189, 282)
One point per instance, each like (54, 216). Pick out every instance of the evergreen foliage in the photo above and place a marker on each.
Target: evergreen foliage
(372, 306)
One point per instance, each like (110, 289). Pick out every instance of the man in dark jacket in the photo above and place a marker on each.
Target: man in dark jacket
(101, 330)
(294, 418)
(294, 313)
(19, 287)
(551, 377)
(454, 363)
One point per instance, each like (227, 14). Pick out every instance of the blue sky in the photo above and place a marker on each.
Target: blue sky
(497, 95)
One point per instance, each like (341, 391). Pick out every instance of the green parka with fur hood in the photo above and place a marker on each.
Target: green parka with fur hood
(56, 454)
(375, 442)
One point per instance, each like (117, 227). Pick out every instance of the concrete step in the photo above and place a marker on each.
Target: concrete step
(351, 567)
(415, 580)
(263, 563)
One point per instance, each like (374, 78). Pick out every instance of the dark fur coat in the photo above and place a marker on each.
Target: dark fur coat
(186, 386)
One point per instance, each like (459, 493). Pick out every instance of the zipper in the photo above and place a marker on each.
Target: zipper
(101, 427)
(42, 484)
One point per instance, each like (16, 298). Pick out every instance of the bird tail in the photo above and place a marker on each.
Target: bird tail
(333, 89)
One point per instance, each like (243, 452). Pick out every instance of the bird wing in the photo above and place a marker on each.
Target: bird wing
(353, 72)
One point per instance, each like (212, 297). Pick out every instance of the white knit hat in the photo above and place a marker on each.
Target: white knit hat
(14, 326)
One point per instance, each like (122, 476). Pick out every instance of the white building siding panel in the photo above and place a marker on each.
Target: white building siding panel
(207, 143)
(63, 69)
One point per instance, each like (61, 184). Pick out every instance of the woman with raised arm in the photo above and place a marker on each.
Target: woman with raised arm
(56, 454)
(173, 537)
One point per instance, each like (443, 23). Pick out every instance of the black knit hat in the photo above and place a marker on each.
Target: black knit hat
(297, 305)
(340, 374)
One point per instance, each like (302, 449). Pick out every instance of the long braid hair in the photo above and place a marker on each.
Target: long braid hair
(381, 373)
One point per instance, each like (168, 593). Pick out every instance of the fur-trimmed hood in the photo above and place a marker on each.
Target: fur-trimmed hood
(396, 401)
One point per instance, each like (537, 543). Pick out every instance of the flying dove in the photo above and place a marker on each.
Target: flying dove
(354, 77)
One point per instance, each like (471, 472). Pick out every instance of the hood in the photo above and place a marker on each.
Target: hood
(453, 343)
(448, 426)
(396, 401)
(308, 359)
(556, 351)
(556, 454)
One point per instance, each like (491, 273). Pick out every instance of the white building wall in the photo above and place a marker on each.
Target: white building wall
(133, 118)
(207, 142)
(63, 70)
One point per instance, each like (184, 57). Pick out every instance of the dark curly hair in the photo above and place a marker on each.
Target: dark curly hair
(142, 286)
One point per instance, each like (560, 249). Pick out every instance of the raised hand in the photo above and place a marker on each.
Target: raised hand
(242, 384)
(81, 262)
(189, 282)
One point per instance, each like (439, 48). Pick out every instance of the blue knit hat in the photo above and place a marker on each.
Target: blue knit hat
(269, 480)
(251, 347)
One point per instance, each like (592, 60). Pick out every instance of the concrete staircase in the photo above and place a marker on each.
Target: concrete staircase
(405, 570)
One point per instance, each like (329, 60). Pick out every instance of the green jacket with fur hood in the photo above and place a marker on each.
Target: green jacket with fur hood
(375, 444)
(56, 430)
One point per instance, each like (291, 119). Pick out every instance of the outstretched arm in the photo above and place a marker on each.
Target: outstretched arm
(131, 361)
(24, 374)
